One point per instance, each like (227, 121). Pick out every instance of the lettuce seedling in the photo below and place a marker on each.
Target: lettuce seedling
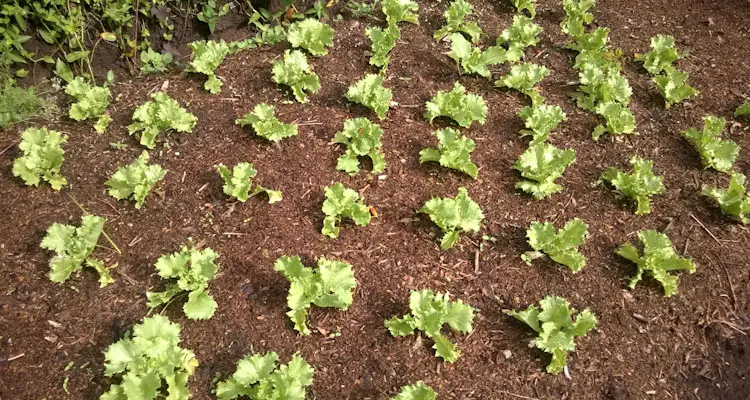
(516, 38)
(258, 377)
(733, 200)
(362, 139)
(453, 151)
(455, 22)
(136, 180)
(429, 312)
(541, 164)
(672, 84)
(540, 119)
(341, 203)
(662, 55)
(369, 92)
(311, 35)
(577, 16)
(715, 152)
(453, 216)
(331, 284)
(561, 245)
(266, 125)
(383, 41)
(658, 259)
(639, 185)
(42, 157)
(473, 60)
(528, 5)
(400, 11)
(457, 105)
(239, 181)
(523, 78)
(206, 57)
(294, 71)
(147, 358)
(91, 101)
(417, 391)
(153, 62)
(556, 328)
(159, 115)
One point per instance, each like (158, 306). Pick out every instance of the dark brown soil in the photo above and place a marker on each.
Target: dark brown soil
(691, 346)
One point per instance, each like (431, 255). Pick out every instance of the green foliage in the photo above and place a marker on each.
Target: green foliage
(343, 203)
(206, 57)
(715, 152)
(541, 164)
(457, 105)
(473, 60)
(383, 41)
(330, 285)
(18, 104)
(369, 92)
(192, 269)
(577, 16)
(400, 11)
(521, 34)
(540, 119)
(136, 180)
(733, 200)
(294, 71)
(658, 259)
(528, 5)
(455, 22)
(42, 157)
(311, 35)
(741, 111)
(605, 91)
(153, 62)
(639, 185)
(561, 245)
(429, 312)
(259, 378)
(453, 216)
(159, 115)
(556, 328)
(362, 139)
(147, 358)
(239, 181)
(453, 151)
(417, 391)
(266, 125)
(91, 101)
(211, 12)
(672, 84)
(73, 247)
(663, 53)
(523, 77)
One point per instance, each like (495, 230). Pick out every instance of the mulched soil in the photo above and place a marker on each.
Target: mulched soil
(691, 346)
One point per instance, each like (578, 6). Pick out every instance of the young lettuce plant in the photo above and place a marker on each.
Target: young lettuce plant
(429, 312)
(473, 60)
(135, 180)
(294, 71)
(73, 247)
(733, 200)
(453, 216)
(528, 5)
(417, 391)
(658, 259)
(523, 33)
(455, 22)
(672, 83)
(91, 102)
(340, 203)
(211, 12)
(362, 139)
(577, 16)
(715, 152)
(457, 105)
(541, 164)
(369, 92)
(258, 377)
(400, 11)
(556, 328)
(453, 151)
(639, 185)
(239, 181)
(42, 157)
(311, 35)
(146, 359)
(207, 56)
(153, 62)
(266, 125)
(561, 245)
(192, 269)
(523, 78)
(331, 284)
(383, 41)
(540, 119)
(159, 115)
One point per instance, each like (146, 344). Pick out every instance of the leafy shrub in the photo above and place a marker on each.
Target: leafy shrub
(330, 285)
(733, 200)
(42, 157)
(153, 62)
(455, 22)
(383, 41)
(417, 391)
(429, 312)
(206, 57)
(541, 164)
(561, 245)
(400, 11)
(239, 181)
(159, 115)
(658, 259)
(362, 139)
(258, 377)
(136, 180)
(453, 216)
(639, 185)
(457, 105)
(715, 152)
(516, 38)
(343, 203)
(369, 92)
(540, 119)
(453, 151)
(90, 102)
(266, 125)
(294, 71)
(473, 60)
(311, 35)
(556, 328)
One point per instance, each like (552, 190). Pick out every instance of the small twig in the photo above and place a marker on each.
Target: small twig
(233, 233)
(729, 324)
(9, 147)
(706, 229)
(16, 357)
(518, 396)
(731, 286)
(109, 239)
(309, 123)
(172, 301)
(476, 262)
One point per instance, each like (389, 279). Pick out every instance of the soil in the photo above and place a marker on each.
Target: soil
(693, 345)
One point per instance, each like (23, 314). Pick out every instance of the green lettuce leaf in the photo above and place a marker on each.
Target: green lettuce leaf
(42, 157)
(239, 181)
(369, 92)
(457, 105)
(453, 216)
(206, 57)
(266, 125)
(672, 84)
(715, 152)
(523, 77)
(311, 35)
(541, 164)
(733, 200)
(528, 5)
(341, 203)
(561, 245)
(455, 22)
(663, 53)
(743, 110)
(400, 11)
(473, 60)
(523, 33)
(383, 41)
(159, 115)
(362, 139)
(91, 102)
(577, 16)
(639, 185)
(294, 71)
(417, 391)
(135, 180)
(453, 151)
(540, 119)
(73, 247)
(258, 377)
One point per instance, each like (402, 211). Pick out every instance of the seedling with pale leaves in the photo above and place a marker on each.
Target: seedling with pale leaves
(561, 245)
(429, 312)
(362, 139)
(640, 185)
(400, 11)
(294, 71)
(259, 377)
(606, 92)
(192, 269)
(383, 41)
(417, 391)
(462, 107)
(663, 53)
(672, 84)
(369, 92)
(91, 102)
(541, 164)
(557, 330)
(455, 22)
(340, 203)
(42, 157)
(206, 57)
(211, 12)
(523, 78)
(540, 119)
(577, 16)
(153, 62)
(658, 260)
(733, 200)
(239, 182)
(331, 284)
(473, 60)
(136, 180)
(73, 247)
(523, 33)
(453, 151)
(159, 115)
(715, 152)
(266, 125)
(453, 216)
(528, 5)
(311, 35)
